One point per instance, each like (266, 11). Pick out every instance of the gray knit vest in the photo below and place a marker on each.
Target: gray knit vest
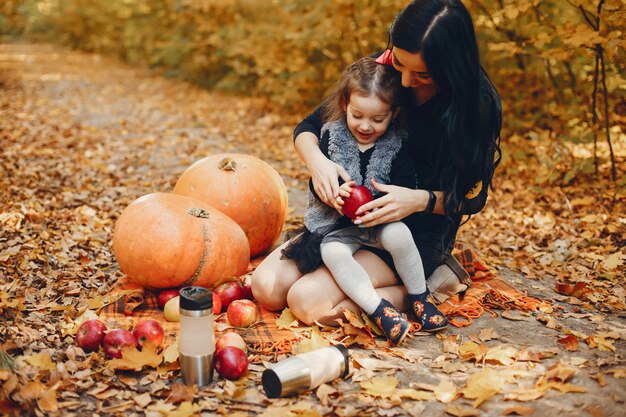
(343, 150)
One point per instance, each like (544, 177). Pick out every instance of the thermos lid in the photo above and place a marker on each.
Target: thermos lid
(196, 299)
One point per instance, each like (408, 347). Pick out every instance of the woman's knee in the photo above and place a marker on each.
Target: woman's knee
(313, 296)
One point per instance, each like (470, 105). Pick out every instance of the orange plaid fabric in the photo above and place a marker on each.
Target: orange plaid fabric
(133, 303)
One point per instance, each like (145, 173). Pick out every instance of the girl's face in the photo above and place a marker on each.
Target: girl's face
(412, 67)
(367, 117)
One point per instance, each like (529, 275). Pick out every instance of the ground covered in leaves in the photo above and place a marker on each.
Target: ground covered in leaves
(82, 136)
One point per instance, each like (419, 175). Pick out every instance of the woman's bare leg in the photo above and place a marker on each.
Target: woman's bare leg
(273, 278)
(316, 296)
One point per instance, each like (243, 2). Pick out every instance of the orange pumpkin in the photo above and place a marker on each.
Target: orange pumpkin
(166, 240)
(246, 189)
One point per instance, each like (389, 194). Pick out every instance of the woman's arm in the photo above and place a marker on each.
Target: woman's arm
(324, 172)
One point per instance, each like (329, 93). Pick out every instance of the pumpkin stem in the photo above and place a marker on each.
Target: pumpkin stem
(228, 164)
(198, 212)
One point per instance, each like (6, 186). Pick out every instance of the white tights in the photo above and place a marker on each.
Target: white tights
(353, 280)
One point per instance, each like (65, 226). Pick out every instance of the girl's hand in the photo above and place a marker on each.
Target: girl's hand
(325, 176)
(344, 192)
(396, 204)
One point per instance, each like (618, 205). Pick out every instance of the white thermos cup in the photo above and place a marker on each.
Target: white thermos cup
(196, 341)
(306, 371)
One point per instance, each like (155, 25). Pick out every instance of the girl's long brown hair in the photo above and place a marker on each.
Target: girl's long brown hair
(364, 77)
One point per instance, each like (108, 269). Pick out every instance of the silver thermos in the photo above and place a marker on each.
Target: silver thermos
(306, 371)
(196, 341)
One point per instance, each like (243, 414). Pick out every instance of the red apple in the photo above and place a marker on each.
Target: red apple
(247, 289)
(217, 304)
(229, 292)
(165, 296)
(148, 331)
(242, 313)
(231, 339)
(90, 335)
(358, 196)
(231, 362)
(115, 341)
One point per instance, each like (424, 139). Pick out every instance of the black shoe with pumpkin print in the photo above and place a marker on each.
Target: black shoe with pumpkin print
(391, 322)
(427, 314)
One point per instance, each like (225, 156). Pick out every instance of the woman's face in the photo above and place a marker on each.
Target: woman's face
(367, 118)
(412, 67)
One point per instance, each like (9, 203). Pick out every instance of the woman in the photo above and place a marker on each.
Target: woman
(453, 117)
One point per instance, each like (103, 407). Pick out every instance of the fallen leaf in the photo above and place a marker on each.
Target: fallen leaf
(570, 343)
(317, 341)
(520, 410)
(286, 320)
(503, 355)
(577, 290)
(613, 261)
(483, 385)
(472, 351)
(134, 360)
(41, 360)
(171, 353)
(48, 400)
(488, 334)
(458, 411)
(560, 372)
(142, 400)
(446, 391)
(181, 393)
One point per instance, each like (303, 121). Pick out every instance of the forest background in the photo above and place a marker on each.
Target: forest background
(558, 64)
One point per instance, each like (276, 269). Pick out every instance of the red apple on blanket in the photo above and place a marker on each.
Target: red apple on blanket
(231, 362)
(165, 296)
(90, 335)
(115, 341)
(242, 313)
(231, 339)
(217, 304)
(247, 288)
(229, 292)
(358, 196)
(148, 331)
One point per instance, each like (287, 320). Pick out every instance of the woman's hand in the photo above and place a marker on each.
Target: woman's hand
(344, 192)
(396, 204)
(325, 176)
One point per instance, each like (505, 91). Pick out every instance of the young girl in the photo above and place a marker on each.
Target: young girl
(359, 135)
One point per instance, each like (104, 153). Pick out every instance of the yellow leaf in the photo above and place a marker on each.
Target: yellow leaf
(601, 343)
(185, 409)
(170, 354)
(414, 394)
(42, 360)
(483, 385)
(501, 354)
(520, 410)
(132, 359)
(317, 341)
(48, 401)
(32, 390)
(446, 391)
(613, 261)
(381, 386)
(472, 351)
(286, 320)
(461, 411)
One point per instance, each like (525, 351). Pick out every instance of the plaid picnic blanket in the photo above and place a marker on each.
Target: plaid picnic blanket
(129, 302)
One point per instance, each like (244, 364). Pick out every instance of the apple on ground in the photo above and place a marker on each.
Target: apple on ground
(231, 339)
(171, 311)
(217, 304)
(229, 292)
(358, 196)
(148, 331)
(231, 362)
(165, 296)
(90, 335)
(242, 313)
(115, 341)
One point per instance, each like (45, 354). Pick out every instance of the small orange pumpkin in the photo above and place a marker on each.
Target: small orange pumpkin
(246, 189)
(166, 240)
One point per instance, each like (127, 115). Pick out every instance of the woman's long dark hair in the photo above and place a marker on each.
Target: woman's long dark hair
(443, 32)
